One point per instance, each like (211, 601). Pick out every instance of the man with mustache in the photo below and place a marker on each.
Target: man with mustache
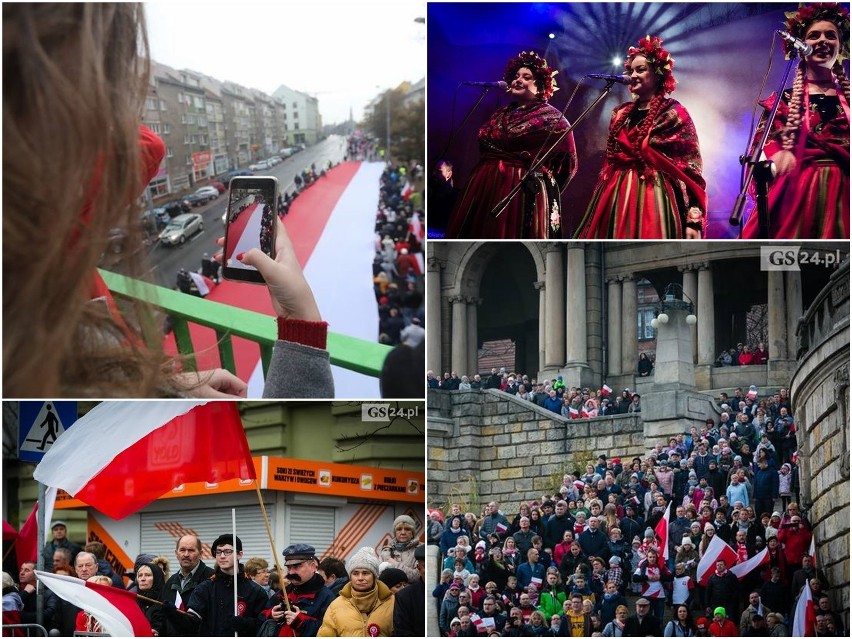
(307, 593)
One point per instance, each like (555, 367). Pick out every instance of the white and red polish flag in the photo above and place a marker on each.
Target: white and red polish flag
(26, 545)
(812, 551)
(741, 570)
(573, 413)
(662, 530)
(606, 390)
(115, 609)
(804, 616)
(716, 550)
(136, 452)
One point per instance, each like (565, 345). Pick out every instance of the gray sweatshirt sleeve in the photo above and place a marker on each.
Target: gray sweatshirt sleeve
(298, 371)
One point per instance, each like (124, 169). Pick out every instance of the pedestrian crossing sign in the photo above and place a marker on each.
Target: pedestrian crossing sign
(39, 424)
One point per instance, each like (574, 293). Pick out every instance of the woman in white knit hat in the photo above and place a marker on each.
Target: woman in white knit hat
(400, 554)
(365, 605)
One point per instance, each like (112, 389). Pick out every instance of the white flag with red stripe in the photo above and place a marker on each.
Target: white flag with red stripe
(741, 570)
(812, 552)
(138, 451)
(804, 616)
(606, 390)
(117, 610)
(662, 530)
(716, 550)
(573, 413)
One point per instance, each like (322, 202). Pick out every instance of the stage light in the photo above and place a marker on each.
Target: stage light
(551, 35)
(616, 61)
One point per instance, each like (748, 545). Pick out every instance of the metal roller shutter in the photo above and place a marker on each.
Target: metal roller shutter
(161, 530)
(312, 525)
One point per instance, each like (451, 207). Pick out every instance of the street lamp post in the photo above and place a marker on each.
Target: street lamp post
(387, 125)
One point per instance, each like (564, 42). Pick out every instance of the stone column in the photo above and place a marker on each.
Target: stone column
(777, 316)
(614, 326)
(554, 334)
(575, 308)
(472, 341)
(433, 315)
(539, 286)
(706, 317)
(690, 290)
(793, 292)
(459, 334)
(629, 344)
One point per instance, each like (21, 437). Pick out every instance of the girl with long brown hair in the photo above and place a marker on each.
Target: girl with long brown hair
(650, 186)
(809, 139)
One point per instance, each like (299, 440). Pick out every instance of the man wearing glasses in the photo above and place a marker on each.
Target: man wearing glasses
(307, 593)
(213, 600)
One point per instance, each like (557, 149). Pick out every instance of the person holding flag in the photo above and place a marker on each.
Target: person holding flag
(654, 576)
(723, 590)
(212, 602)
(180, 586)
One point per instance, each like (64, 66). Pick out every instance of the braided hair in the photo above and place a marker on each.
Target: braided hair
(790, 133)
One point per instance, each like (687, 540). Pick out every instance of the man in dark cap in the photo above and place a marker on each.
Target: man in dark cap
(212, 601)
(307, 593)
(60, 540)
(409, 613)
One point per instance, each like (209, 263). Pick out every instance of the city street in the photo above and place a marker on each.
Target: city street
(166, 261)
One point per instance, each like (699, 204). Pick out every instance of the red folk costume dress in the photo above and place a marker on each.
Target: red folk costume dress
(646, 193)
(812, 201)
(509, 142)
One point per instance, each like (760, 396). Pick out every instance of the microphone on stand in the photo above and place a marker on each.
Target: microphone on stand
(620, 79)
(490, 85)
(798, 45)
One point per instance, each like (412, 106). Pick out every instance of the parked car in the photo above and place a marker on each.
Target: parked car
(154, 220)
(181, 228)
(176, 207)
(259, 166)
(218, 186)
(286, 152)
(225, 178)
(203, 195)
(274, 160)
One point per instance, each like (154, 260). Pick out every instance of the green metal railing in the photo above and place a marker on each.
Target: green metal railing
(351, 353)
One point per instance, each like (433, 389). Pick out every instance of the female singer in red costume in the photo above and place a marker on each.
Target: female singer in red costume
(809, 142)
(510, 141)
(650, 186)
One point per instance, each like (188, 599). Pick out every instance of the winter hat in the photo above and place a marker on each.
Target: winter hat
(776, 514)
(615, 560)
(649, 533)
(709, 526)
(404, 519)
(393, 576)
(455, 620)
(701, 623)
(720, 611)
(685, 541)
(636, 540)
(365, 558)
(221, 540)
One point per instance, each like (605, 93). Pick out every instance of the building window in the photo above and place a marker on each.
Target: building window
(151, 104)
(155, 127)
(644, 328)
(169, 153)
(158, 187)
(167, 128)
(163, 106)
(295, 105)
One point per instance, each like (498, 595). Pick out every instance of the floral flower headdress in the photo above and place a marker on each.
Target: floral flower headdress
(798, 22)
(652, 49)
(545, 77)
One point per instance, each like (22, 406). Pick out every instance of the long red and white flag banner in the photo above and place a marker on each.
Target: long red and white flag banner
(716, 550)
(117, 610)
(136, 452)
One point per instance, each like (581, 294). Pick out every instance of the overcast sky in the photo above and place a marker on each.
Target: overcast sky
(342, 53)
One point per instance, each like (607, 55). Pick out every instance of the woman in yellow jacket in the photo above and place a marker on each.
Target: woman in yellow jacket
(364, 607)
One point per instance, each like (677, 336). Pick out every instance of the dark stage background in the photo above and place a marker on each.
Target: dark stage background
(721, 52)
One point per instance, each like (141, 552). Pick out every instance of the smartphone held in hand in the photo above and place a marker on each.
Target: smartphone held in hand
(249, 223)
